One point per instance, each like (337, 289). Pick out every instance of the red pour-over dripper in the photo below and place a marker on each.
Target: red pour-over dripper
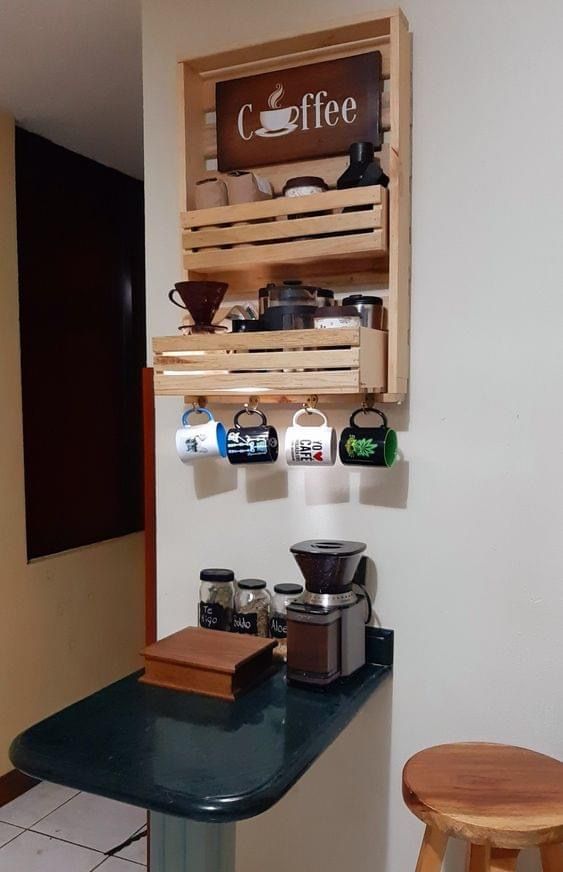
(201, 299)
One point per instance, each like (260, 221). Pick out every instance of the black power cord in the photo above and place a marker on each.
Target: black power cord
(359, 581)
(134, 838)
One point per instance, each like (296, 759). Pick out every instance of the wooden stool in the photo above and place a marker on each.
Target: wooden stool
(498, 798)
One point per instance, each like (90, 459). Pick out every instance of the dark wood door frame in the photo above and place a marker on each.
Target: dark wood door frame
(149, 497)
(149, 504)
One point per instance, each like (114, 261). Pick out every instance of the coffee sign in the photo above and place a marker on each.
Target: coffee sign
(305, 112)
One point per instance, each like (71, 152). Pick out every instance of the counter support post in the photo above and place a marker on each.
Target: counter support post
(180, 845)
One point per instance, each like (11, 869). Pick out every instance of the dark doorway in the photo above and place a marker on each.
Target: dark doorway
(82, 322)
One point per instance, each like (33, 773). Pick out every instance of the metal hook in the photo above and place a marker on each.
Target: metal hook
(367, 402)
(310, 404)
(252, 404)
(200, 402)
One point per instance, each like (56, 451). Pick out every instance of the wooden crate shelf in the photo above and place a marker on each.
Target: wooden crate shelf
(215, 240)
(252, 244)
(280, 363)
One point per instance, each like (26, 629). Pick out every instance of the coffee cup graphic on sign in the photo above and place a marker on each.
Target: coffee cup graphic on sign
(278, 120)
(202, 440)
(257, 444)
(368, 446)
(310, 445)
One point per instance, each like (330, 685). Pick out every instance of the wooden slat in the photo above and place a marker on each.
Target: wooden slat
(291, 398)
(282, 206)
(362, 271)
(280, 382)
(347, 358)
(287, 252)
(373, 359)
(149, 503)
(284, 229)
(341, 337)
(347, 35)
(210, 129)
(399, 205)
(193, 158)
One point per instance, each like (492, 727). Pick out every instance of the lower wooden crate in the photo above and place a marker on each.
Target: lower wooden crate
(281, 363)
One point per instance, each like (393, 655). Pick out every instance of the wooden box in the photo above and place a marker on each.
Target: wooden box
(209, 662)
(276, 234)
(280, 362)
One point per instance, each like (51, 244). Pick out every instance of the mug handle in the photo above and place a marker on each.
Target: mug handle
(365, 411)
(249, 412)
(196, 409)
(172, 300)
(309, 412)
(295, 116)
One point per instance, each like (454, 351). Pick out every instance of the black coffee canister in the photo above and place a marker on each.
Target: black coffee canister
(368, 446)
(258, 444)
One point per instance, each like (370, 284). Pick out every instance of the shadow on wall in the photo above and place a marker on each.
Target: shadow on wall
(336, 817)
(323, 487)
(263, 483)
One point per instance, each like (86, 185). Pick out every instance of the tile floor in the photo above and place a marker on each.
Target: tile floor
(56, 829)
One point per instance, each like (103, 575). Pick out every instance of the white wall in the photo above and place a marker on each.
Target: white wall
(466, 533)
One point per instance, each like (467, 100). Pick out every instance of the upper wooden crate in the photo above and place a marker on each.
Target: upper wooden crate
(283, 237)
(367, 248)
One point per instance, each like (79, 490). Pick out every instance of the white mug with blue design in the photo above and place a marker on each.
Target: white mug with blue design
(196, 442)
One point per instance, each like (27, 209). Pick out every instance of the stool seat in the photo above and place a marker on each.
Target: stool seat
(487, 794)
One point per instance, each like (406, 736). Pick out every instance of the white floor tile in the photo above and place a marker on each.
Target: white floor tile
(30, 807)
(136, 852)
(8, 832)
(32, 852)
(113, 864)
(93, 821)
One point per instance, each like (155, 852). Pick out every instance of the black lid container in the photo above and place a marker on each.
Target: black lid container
(217, 575)
(328, 565)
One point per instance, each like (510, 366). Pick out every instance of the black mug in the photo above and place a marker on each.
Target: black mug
(368, 446)
(257, 444)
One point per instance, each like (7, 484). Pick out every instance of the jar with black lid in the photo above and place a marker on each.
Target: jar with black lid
(370, 309)
(283, 595)
(216, 598)
(252, 608)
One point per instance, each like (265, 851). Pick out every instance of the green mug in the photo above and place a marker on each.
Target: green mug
(368, 446)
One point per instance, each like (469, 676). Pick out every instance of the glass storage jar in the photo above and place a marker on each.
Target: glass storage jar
(283, 595)
(252, 608)
(216, 598)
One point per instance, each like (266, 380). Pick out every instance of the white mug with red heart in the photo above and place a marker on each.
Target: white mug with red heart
(310, 446)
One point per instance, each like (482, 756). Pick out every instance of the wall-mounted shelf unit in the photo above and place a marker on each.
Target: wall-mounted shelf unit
(281, 363)
(252, 244)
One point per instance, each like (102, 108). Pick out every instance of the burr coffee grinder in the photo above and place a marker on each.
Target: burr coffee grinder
(326, 626)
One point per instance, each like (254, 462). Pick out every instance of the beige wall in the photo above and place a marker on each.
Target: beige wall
(70, 623)
(466, 532)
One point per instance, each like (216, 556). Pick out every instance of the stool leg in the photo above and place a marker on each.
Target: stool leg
(478, 858)
(483, 858)
(503, 860)
(552, 858)
(432, 850)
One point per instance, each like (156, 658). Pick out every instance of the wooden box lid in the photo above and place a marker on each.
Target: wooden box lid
(211, 662)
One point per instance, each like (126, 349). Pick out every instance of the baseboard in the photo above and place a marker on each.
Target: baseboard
(13, 784)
